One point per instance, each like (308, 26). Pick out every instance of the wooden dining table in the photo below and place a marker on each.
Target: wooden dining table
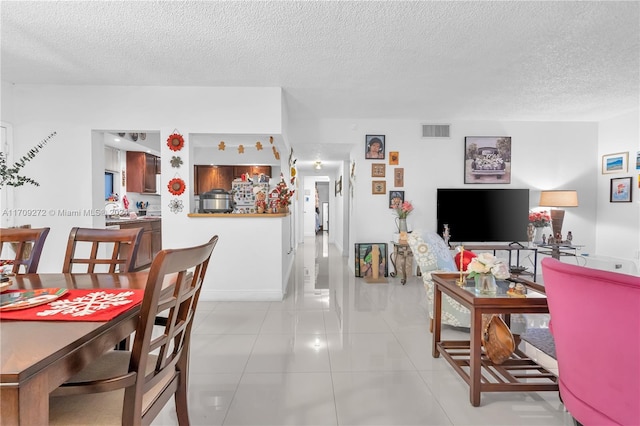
(38, 356)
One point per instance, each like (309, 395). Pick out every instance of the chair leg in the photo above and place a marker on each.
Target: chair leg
(182, 407)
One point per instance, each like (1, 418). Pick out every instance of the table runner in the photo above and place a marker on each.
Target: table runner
(80, 305)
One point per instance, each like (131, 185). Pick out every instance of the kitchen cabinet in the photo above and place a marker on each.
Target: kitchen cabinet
(111, 159)
(150, 242)
(212, 177)
(220, 177)
(141, 172)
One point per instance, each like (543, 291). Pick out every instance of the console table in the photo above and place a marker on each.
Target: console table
(517, 270)
(557, 250)
(519, 373)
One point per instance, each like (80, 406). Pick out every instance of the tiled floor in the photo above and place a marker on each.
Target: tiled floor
(336, 351)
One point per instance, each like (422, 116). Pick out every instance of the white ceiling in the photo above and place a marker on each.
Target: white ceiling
(428, 61)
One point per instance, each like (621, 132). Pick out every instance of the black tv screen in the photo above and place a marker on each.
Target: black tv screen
(484, 215)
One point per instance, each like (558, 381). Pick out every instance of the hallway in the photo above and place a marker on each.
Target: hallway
(336, 351)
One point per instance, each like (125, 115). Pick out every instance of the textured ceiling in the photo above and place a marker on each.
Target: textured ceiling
(515, 60)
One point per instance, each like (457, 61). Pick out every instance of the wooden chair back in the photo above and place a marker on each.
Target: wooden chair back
(159, 359)
(27, 244)
(122, 244)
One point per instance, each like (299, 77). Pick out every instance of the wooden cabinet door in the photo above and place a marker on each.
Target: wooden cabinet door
(145, 253)
(149, 173)
(135, 171)
(158, 166)
(224, 178)
(205, 178)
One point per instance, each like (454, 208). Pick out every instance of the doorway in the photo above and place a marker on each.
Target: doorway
(325, 216)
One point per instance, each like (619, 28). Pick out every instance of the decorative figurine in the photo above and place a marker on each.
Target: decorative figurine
(544, 239)
(445, 234)
(569, 237)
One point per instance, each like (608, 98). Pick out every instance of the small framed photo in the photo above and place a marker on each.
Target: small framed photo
(396, 198)
(374, 147)
(620, 190)
(394, 158)
(487, 159)
(615, 163)
(377, 170)
(378, 187)
(398, 177)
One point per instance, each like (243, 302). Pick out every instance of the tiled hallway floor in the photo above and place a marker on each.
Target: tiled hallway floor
(336, 351)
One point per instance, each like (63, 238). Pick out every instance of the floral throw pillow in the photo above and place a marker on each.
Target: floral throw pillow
(424, 257)
(441, 251)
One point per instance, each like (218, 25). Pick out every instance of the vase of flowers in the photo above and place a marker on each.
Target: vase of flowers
(539, 220)
(401, 211)
(484, 269)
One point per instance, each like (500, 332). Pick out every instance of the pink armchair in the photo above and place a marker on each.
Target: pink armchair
(595, 321)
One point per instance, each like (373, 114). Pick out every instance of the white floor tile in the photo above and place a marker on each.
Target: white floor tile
(283, 399)
(385, 398)
(289, 353)
(338, 351)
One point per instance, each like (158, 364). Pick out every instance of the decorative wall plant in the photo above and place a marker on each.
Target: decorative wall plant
(9, 175)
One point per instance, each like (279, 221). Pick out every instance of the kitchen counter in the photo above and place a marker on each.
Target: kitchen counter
(126, 221)
(254, 215)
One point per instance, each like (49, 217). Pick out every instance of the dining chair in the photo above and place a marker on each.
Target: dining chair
(132, 387)
(27, 244)
(124, 242)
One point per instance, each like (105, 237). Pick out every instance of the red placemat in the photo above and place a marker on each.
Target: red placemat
(80, 305)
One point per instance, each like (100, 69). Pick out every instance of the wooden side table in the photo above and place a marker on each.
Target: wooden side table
(402, 261)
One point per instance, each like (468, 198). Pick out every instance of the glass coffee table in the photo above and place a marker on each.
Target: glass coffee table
(517, 374)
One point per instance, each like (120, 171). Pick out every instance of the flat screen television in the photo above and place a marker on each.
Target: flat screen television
(484, 215)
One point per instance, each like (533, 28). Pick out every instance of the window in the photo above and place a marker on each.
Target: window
(108, 185)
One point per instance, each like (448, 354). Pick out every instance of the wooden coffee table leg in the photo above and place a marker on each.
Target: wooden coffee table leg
(475, 357)
(437, 323)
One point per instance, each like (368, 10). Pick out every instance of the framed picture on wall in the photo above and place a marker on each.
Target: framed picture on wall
(394, 158)
(378, 187)
(620, 191)
(398, 177)
(487, 159)
(615, 163)
(396, 198)
(374, 147)
(377, 170)
(364, 256)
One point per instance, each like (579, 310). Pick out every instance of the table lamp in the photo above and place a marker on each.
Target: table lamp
(556, 199)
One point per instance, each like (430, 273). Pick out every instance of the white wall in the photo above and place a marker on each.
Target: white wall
(546, 155)
(618, 224)
(64, 167)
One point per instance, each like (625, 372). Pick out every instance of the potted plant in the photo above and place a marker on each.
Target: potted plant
(10, 174)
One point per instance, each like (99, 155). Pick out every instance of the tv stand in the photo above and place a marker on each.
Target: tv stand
(515, 246)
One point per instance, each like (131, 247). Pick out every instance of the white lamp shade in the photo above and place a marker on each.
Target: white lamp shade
(559, 199)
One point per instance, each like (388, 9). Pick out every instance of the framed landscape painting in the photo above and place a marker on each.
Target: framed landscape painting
(615, 163)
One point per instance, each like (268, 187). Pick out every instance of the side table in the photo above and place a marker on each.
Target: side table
(402, 261)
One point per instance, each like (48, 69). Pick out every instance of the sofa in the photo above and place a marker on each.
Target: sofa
(432, 255)
(595, 322)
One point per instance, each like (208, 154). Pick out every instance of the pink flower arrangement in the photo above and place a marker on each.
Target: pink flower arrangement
(539, 219)
(403, 210)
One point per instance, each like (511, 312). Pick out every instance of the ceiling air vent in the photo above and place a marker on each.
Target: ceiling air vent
(435, 130)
